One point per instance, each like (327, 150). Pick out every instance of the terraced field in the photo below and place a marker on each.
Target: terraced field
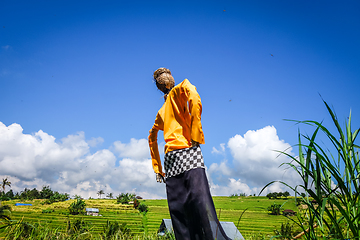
(254, 220)
(229, 209)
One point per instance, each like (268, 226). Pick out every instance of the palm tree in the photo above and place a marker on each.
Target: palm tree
(5, 183)
(110, 195)
(77, 197)
(101, 192)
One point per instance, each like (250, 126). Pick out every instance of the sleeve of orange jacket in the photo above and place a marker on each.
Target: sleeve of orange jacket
(195, 109)
(154, 151)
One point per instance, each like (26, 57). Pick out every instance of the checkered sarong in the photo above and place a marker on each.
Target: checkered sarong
(179, 161)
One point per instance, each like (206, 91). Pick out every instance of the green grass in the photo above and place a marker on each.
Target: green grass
(255, 218)
(331, 178)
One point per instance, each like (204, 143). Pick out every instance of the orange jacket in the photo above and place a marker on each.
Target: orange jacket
(180, 119)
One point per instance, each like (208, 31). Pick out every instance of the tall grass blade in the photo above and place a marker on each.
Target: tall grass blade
(332, 181)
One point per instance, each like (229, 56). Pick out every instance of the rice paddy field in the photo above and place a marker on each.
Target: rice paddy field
(254, 220)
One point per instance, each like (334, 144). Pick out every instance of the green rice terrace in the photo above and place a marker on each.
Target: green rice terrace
(255, 217)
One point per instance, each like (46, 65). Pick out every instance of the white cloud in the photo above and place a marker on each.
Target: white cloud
(36, 160)
(255, 163)
(222, 168)
(68, 165)
(220, 151)
(232, 186)
(93, 142)
(136, 149)
(255, 155)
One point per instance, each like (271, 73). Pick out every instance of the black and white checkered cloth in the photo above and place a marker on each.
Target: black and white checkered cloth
(179, 161)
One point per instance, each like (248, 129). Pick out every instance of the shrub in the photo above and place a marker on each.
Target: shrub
(125, 198)
(238, 195)
(136, 203)
(77, 207)
(46, 192)
(286, 231)
(5, 212)
(114, 229)
(79, 226)
(4, 198)
(77, 196)
(168, 235)
(274, 209)
(143, 208)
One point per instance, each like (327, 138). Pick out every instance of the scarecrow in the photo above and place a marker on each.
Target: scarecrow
(191, 207)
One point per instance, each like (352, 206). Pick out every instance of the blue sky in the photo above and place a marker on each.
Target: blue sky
(79, 74)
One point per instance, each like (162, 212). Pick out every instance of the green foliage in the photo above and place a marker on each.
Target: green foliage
(167, 236)
(276, 195)
(48, 211)
(115, 229)
(5, 212)
(332, 180)
(77, 207)
(56, 197)
(238, 195)
(77, 197)
(287, 231)
(4, 198)
(5, 182)
(79, 226)
(79, 230)
(125, 198)
(272, 195)
(143, 208)
(286, 194)
(274, 209)
(27, 194)
(20, 230)
(100, 192)
(7, 196)
(136, 203)
(46, 192)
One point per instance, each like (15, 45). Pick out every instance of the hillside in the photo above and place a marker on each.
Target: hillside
(255, 216)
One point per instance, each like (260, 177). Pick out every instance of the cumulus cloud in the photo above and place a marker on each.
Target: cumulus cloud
(233, 186)
(38, 159)
(256, 156)
(93, 142)
(255, 162)
(219, 151)
(136, 149)
(68, 164)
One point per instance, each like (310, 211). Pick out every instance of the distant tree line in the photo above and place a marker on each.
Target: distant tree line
(276, 195)
(27, 194)
(238, 195)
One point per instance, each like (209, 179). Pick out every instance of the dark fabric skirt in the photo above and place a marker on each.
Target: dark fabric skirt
(191, 207)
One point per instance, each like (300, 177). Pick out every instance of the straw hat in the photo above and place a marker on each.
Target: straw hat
(163, 79)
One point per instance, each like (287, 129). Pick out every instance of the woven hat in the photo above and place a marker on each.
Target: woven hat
(163, 79)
